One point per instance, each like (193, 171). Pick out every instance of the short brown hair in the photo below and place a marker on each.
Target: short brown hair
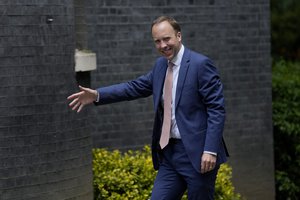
(171, 20)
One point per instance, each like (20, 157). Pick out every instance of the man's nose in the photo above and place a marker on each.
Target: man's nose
(163, 44)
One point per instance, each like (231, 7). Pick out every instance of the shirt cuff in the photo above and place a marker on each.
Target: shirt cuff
(98, 97)
(212, 153)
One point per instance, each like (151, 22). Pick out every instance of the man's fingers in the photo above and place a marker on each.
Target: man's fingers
(204, 167)
(80, 108)
(79, 99)
(83, 88)
(73, 102)
(75, 95)
(72, 96)
(208, 163)
(76, 106)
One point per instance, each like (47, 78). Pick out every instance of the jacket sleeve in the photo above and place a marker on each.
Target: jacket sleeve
(211, 91)
(138, 88)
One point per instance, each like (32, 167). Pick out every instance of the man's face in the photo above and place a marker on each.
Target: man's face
(167, 41)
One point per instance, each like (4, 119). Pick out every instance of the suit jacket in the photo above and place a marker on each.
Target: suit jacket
(199, 105)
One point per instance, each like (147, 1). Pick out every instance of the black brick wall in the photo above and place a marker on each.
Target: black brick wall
(234, 33)
(45, 149)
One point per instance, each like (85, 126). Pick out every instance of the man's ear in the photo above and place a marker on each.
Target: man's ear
(178, 35)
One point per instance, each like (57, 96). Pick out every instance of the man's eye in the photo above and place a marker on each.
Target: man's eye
(156, 41)
(166, 39)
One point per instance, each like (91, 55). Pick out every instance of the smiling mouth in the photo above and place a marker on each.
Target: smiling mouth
(167, 51)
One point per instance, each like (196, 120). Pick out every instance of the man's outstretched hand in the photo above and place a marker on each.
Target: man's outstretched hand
(84, 97)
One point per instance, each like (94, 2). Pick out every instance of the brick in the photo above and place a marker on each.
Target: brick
(36, 125)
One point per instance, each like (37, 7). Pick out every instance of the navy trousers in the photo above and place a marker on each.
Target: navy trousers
(176, 174)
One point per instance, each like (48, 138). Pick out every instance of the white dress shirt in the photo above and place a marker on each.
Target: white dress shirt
(176, 61)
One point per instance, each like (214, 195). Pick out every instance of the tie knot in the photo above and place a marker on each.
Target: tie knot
(170, 64)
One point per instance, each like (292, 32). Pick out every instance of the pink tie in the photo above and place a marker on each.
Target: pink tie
(166, 128)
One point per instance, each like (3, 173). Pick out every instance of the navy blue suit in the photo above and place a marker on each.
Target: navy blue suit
(199, 105)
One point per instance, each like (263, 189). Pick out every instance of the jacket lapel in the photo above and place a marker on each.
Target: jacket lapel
(160, 83)
(182, 75)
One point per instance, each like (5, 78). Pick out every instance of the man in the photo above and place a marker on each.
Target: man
(187, 145)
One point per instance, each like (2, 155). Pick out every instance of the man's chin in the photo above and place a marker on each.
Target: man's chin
(168, 57)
